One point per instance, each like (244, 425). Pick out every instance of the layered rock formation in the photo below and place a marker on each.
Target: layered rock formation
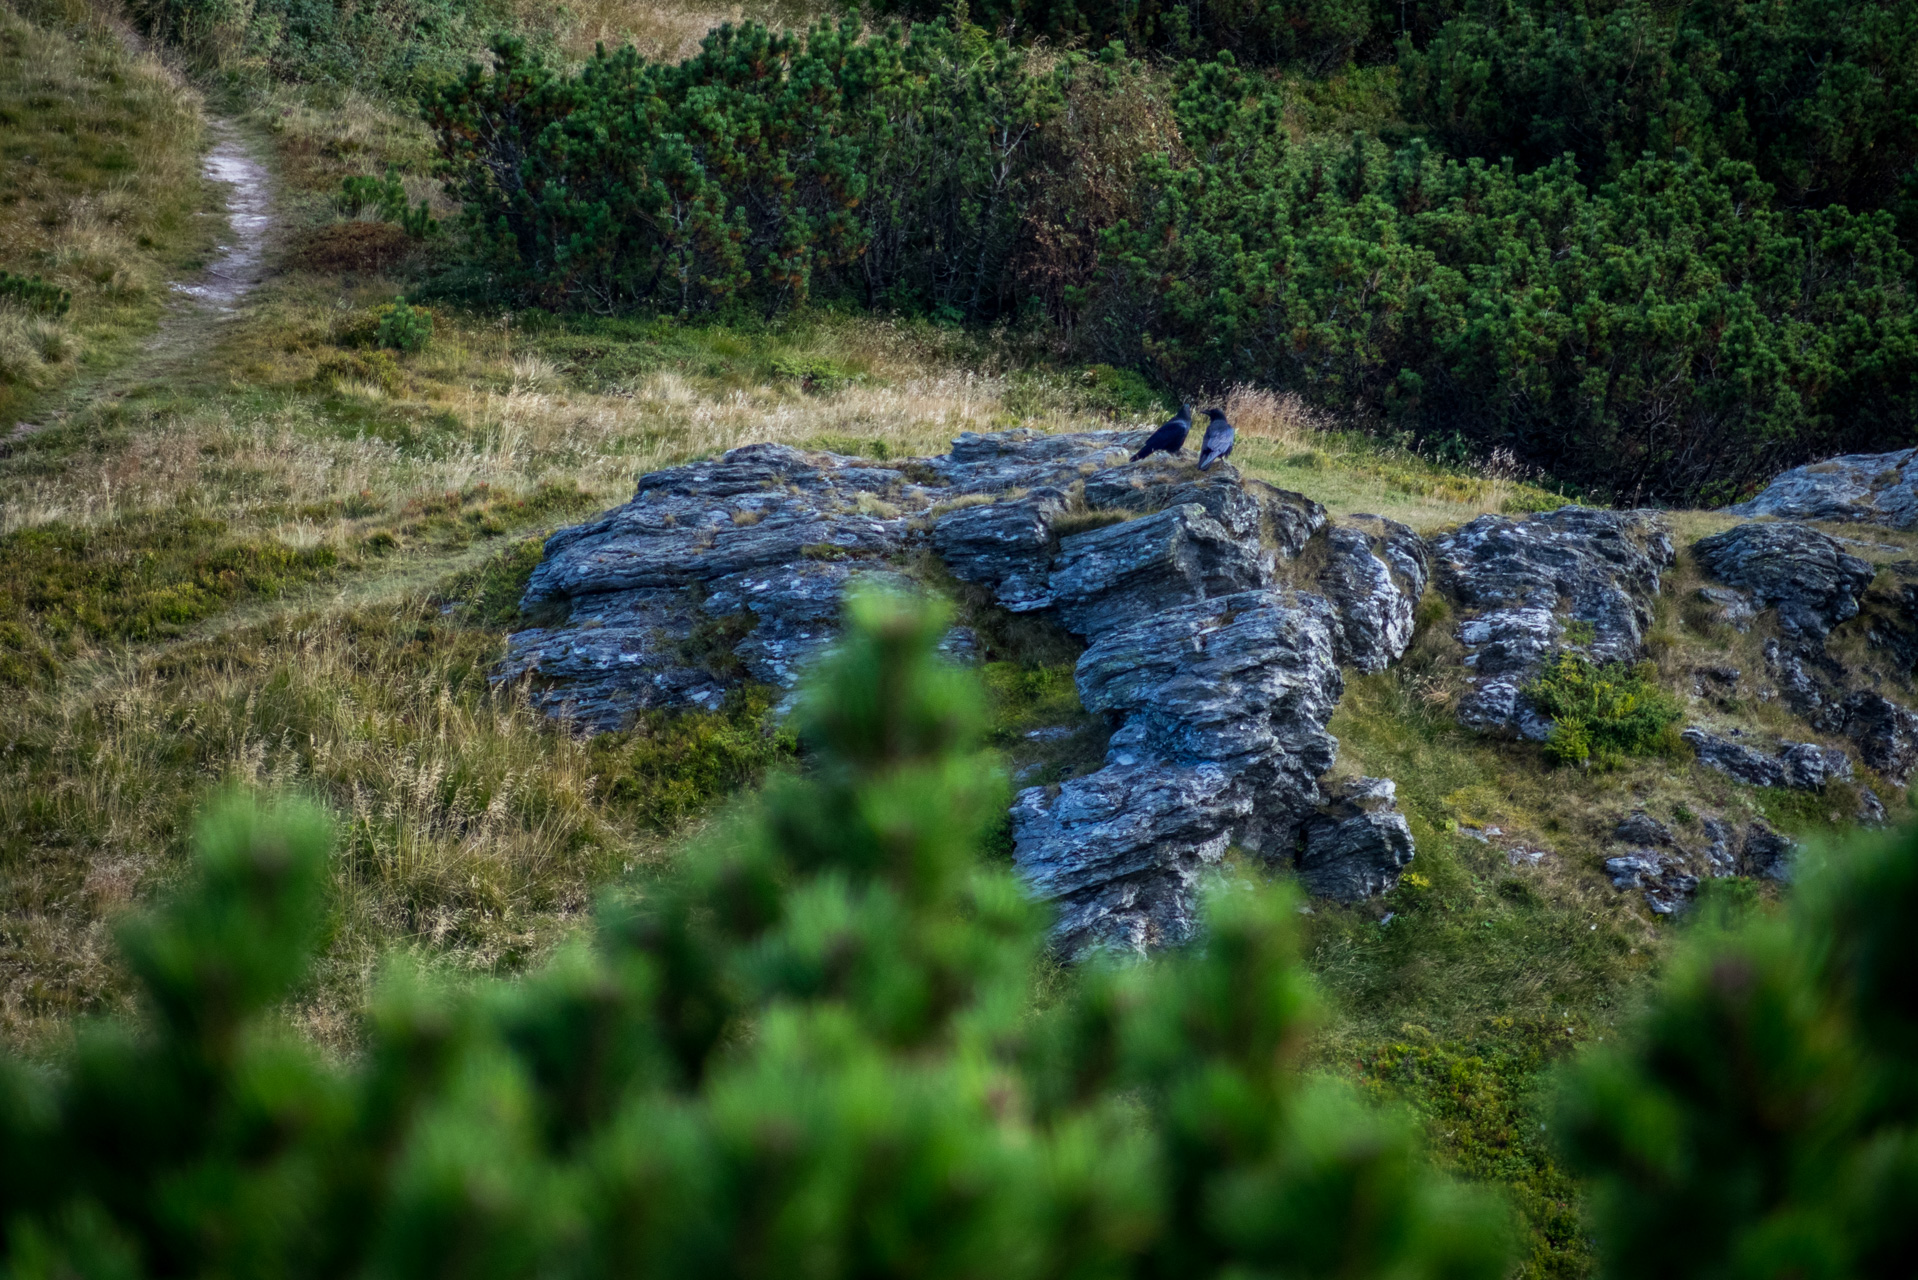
(1667, 869)
(1530, 587)
(1874, 488)
(1805, 575)
(1216, 612)
(1809, 584)
(1223, 704)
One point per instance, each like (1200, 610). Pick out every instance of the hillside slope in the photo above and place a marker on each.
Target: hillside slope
(293, 564)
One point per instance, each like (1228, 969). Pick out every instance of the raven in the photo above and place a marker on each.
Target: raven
(1219, 439)
(1169, 438)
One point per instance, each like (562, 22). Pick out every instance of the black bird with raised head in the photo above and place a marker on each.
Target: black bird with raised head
(1219, 439)
(1169, 438)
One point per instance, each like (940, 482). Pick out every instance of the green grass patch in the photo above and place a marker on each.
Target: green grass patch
(675, 765)
(101, 152)
(1483, 1105)
(65, 589)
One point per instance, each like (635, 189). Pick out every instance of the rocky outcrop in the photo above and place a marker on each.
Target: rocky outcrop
(1109, 577)
(1525, 586)
(1886, 734)
(1358, 842)
(1873, 488)
(1208, 650)
(1815, 585)
(1803, 766)
(1892, 616)
(1374, 572)
(1768, 855)
(1006, 546)
(1804, 574)
(1223, 705)
(1668, 869)
(1667, 885)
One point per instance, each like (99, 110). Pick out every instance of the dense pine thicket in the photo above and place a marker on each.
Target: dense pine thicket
(1656, 250)
(816, 1050)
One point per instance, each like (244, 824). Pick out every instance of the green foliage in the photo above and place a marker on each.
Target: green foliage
(1671, 333)
(1119, 391)
(393, 47)
(1481, 1102)
(1314, 34)
(1817, 94)
(767, 169)
(1678, 331)
(31, 293)
(1762, 1119)
(403, 327)
(812, 373)
(138, 578)
(812, 1049)
(1603, 712)
(674, 765)
(387, 196)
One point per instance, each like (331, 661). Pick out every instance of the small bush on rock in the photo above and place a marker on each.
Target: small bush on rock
(1603, 712)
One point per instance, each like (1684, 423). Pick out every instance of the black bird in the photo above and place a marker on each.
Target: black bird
(1169, 438)
(1219, 439)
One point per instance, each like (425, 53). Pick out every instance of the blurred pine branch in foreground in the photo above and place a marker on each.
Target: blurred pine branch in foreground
(817, 1048)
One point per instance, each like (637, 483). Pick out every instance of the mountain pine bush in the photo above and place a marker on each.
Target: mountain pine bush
(812, 1050)
(1763, 1119)
(766, 170)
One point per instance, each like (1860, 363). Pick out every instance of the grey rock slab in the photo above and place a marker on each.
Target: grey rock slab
(1721, 848)
(1803, 766)
(796, 607)
(1358, 844)
(1374, 571)
(1280, 521)
(758, 507)
(1668, 887)
(1006, 546)
(1005, 462)
(1886, 734)
(619, 654)
(1119, 852)
(1643, 829)
(1768, 854)
(1521, 582)
(1224, 703)
(1110, 577)
(1872, 488)
(1811, 580)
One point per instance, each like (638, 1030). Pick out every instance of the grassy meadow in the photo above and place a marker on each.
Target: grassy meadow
(289, 562)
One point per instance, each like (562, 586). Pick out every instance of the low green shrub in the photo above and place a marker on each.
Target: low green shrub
(31, 293)
(1603, 712)
(387, 196)
(403, 327)
(812, 373)
(768, 169)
